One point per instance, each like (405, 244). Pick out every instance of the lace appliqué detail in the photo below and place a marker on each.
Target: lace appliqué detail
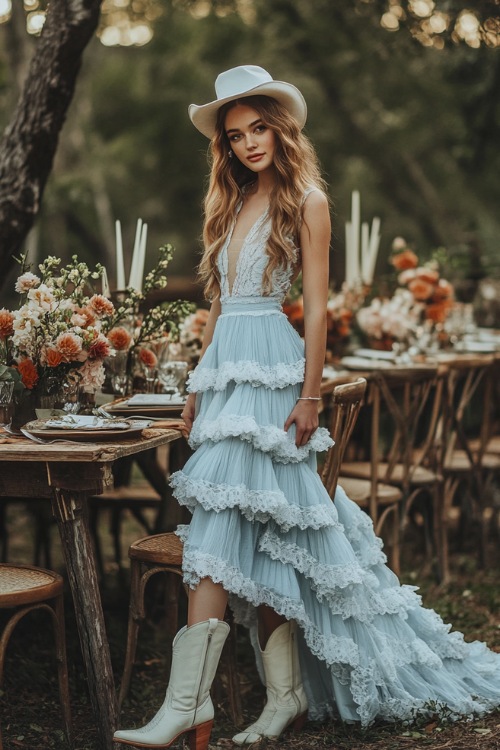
(251, 264)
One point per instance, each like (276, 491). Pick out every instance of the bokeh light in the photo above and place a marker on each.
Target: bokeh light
(5, 10)
(35, 21)
(127, 23)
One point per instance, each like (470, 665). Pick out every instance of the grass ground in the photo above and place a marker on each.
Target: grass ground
(30, 714)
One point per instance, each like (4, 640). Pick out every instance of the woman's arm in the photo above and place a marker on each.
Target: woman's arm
(189, 408)
(315, 244)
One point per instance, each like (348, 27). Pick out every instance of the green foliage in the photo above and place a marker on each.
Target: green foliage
(414, 128)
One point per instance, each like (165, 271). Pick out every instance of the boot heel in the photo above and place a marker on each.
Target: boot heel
(200, 736)
(298, 723)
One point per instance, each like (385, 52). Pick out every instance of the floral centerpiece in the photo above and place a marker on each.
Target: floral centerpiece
(422, 300)
(385, 321)
(137, 340)
(432, 293)
(57, 335)
(64, 329)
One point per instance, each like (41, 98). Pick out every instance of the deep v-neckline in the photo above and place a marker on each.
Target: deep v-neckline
(260, 219)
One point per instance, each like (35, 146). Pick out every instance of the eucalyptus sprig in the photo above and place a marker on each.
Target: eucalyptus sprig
(164, 318)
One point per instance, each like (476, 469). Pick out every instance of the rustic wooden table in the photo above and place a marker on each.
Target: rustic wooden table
(68, 473)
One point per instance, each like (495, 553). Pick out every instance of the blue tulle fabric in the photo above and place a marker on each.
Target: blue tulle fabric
(264, 526)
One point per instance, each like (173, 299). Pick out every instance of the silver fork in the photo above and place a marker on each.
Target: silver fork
(47, 442)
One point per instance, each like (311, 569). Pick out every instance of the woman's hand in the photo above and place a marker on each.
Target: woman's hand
(187, 413)
(305, 417)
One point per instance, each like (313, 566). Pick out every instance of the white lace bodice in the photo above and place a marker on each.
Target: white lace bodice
(245, 279)
(250, 265)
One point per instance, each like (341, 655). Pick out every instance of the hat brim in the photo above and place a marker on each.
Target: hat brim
(204, 116)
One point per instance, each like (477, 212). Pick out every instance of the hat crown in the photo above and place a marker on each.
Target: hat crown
(240, 80)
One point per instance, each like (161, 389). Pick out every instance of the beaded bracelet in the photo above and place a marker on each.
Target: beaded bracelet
(309, 398)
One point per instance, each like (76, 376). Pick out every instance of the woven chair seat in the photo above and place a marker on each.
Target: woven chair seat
(359, 491)
(459, 462)
(160, 549)
(363, 470)
(25, 585)
(24, 589)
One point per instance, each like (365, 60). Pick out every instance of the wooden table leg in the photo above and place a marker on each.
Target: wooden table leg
(70, 511)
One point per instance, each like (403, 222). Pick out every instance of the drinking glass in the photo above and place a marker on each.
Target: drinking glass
(172, 375)
(6, 402)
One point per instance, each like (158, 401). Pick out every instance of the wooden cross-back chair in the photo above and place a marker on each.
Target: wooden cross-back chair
(345, 404)
(404, 412)
(465, 456)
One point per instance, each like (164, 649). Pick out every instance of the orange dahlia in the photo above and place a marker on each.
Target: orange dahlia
(406, 259)
(28, 372)
(119, 338)
(6, 323)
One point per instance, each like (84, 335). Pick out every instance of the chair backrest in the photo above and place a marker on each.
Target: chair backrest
(345, 405)
(467, 413)
(409, 398)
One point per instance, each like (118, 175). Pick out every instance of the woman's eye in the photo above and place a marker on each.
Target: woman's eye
(260, 128)
(234, 137)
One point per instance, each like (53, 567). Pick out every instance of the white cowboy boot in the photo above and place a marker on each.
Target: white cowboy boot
(286, 700)
(187, 707)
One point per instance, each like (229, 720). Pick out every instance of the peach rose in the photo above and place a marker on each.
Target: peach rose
(119, 338)
(427, 274)
(6, 323)
(53, 357)
(70, 346)
(28, 372)
(405, 259)
(101, 305)
(148, 358)
(26, 282)
(83, 317)
(99, 348)
(421, 289)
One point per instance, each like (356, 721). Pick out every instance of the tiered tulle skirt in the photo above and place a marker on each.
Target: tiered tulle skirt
(264, 526)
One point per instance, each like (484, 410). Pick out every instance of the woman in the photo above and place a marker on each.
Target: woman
(333, 630)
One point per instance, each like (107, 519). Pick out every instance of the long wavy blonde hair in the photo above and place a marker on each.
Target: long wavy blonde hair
(296, 167)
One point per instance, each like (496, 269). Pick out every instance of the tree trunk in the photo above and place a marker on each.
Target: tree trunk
(29, 142)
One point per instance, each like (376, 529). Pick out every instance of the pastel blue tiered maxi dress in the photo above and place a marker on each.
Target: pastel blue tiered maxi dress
(264, 526)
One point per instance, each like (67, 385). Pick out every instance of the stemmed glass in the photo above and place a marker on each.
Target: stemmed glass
(118, 375)
(6, 402)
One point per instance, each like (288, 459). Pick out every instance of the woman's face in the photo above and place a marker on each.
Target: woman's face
(252, 142)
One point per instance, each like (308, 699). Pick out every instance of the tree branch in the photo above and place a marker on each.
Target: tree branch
(30, 140)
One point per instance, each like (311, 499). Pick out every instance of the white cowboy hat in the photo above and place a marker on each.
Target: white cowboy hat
(246, 80)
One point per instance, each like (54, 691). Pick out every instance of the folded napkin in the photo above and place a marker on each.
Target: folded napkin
(362, 363)
(170, 424)
(155, 399)
(375, 354)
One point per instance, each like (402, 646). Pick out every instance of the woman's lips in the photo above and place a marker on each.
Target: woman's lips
(255, 157)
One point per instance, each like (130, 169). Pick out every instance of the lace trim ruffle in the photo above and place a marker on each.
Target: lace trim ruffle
(339, 652)
(328, 579)
(255, 505)
(270, 376)
(266, 438)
